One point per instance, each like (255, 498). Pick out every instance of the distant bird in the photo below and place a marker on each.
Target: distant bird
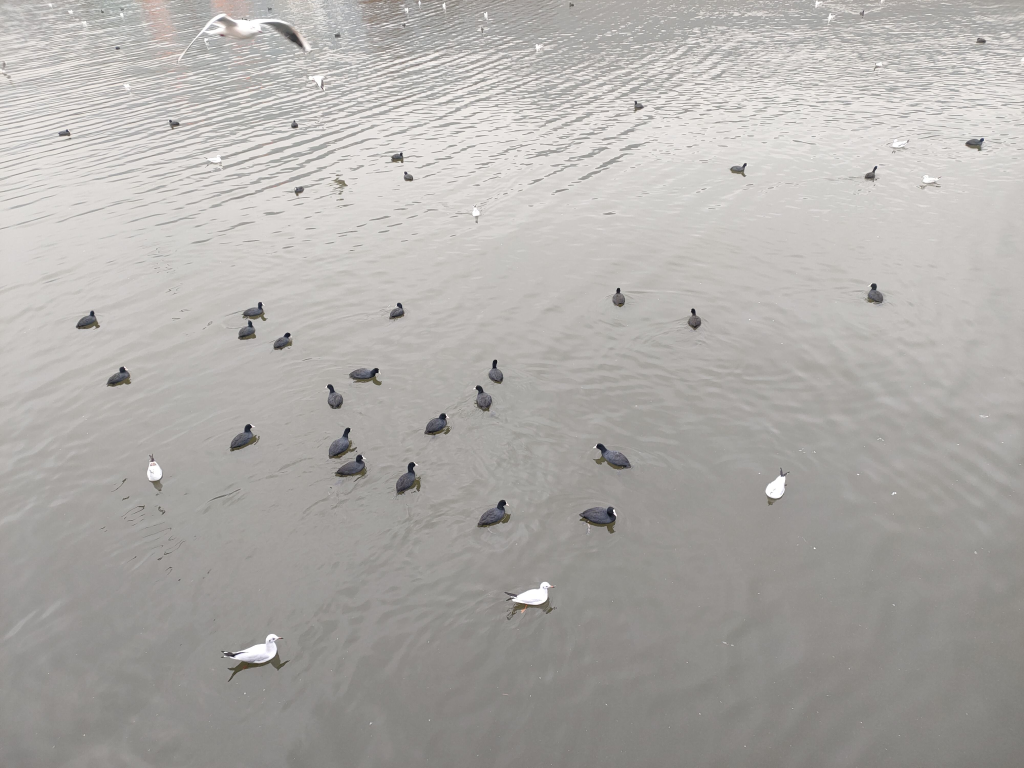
(284, 341)
(398, 311)
(174, 123)
(407, 176)
(830, 17)
(406, 481)
(337, 34)
(483, 400)
(614, 458)
(693, 320)
(243, 438)
(244, 29)
(926, 179)
(319, 80)
(257, 654)
(65, 132)
(878, 65)
(476, 214)
(637, 106)
(88, 321)
(871, 174)
(739, 168)
(862, 13)
(618, 299)
(248, 332)
(256, 311)
(127, 87)
(398, 157)
(299, 191)
(975, 143)
(153, 472)
(436, 425)
(980, 40)
(334, 399)
(493, 515)
(215, 159)
(538, 47)
(444, 6)
(495, 374)
(119, 378)
(364, 374)
(777, 487)
(352, 468)
(295, 123)
(817, 3)
(875, 295)
(900, 143)
(339, 446)
(485, 16)
(599, 515)
(532, 596)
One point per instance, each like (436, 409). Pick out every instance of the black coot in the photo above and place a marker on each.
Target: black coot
(248, 332)
(65, 132)
(334, 399)
(875, 295)
(398, 311)
(436, 425)
(871, 174)
(339, 446)
(618, 299)
(256, 311)
(407, 176)
(119, 378)
(284, 341)
(295, 123)
(174, 123)
(352, 468)
(614, 458)
(493, 515)
(637, 105)
(398, 157)
(495, 374)
(599, 515)
(483, 400)
(364, 374)
(739, 168)
(693, 321)
(406, 481)
(299, 191)
(243, 438)
(975, 143)
(88, 321)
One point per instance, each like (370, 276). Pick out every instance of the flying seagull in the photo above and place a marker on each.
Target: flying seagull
(244, 29)
(319, 80)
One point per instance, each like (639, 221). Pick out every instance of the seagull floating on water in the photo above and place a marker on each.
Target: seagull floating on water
(900, 143)
(127, 87)
(154, 473)
(476, 213)
(537, 596)
(244, 29)
(926, 179)
(777, 487)
(319, 80)
(830, 17)
(257, 654)
(538, 47)
(215, 159)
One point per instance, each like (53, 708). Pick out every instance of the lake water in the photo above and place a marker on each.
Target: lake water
(871, 617)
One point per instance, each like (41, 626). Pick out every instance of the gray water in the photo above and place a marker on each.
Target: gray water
(871, 617)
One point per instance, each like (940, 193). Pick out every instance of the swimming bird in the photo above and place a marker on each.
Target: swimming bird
(483, 400)
(339, 446)
(777, 487)
(614, 458)
(127, 87)
(364, 374)
(618, 299)
(637, 106)
(65, 132)
(874, 294)
(154, 473)
(174, 123)
(256, 311)
(739, 168)
(284, 341)
(871, 174)
(88, 321)
(975, 143)
(862, 13)
(532, 596)
(398, 157)
(319, 80)
(398, 311)
(900, 143)
(352, 467)
(119, 378)
(878, 65)
(476, 214)
(493, 515)
(406, 481)
(299, 191)
(334, 399)
(444, 6)
(436, 425)
(926, 179)
(485, 16)
(693, 321)
(248, 332)
(295, 123)
(830, 17)
(215, 159)
(407, 176)
(243, 438)
(337, 34)
(495, 374)
(538, 47)
(244, 29)
(257, 654)
(599, 515)
(980, 40)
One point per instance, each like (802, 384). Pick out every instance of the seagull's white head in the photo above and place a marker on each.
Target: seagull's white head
(545, 585)
(272, 638)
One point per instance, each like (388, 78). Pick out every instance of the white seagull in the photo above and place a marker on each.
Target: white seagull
(258, 654)
(215, 159)
(926, 179)
(154, 473)
(900, 143)
(538, 46)
(476, 213)
(878, 65)
(319, 80)
(817, 3)
(532, 596)
(830, 17)
(776, 487)
(127, 87)
(244, 29)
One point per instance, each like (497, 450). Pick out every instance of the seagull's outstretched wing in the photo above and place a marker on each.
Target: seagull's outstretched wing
(218, 19)
(286, 30)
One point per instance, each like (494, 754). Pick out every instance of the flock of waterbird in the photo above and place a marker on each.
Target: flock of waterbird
(245, 29)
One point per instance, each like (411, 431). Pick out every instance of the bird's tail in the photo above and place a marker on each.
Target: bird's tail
(510, 595)
(229, 654)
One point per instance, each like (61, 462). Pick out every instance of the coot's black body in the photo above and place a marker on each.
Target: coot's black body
(256, 311)
(483, 400)
(875, 295)
(407, 176)
(493, 515)
(870, 175)
(398, 311)
(406, 481)
(739, 168)
(334, 399)
(339, 446)
(614, 458)
(243, 438)
(398, 158)
(284, 341)
(248, 332)
(88, 321)
(364, 374)
(599, 515)
(119, 378)
(352, 468)
(693, 321)
(436, 425)
(618, 299)
(495, 374)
